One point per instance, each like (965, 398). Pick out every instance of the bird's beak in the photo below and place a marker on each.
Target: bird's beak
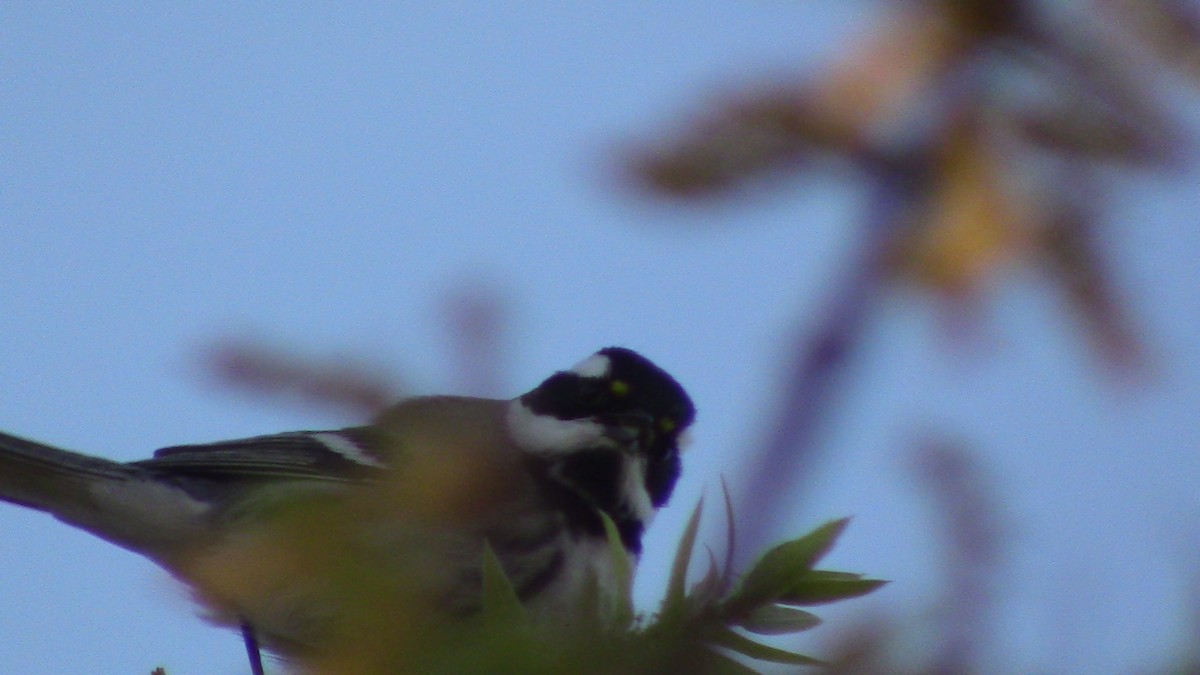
(630, 431)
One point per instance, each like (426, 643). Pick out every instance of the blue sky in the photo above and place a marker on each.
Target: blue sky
(322, 178)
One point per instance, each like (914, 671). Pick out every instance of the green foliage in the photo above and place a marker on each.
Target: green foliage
(501, 606)
(783, 567)
(778, 620)
(675, 602)
(622, 610)
(819, 587)
(694, 629)
(728, 638)
(760, 602)
(395, 623)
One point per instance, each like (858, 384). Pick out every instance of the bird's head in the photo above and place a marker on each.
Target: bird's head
(611, 428)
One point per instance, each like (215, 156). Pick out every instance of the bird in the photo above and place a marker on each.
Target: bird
(278, 534)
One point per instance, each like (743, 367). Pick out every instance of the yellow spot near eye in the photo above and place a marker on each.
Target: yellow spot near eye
(619, 387)
(666, 424)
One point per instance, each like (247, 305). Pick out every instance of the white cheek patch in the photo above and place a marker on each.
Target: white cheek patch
(348, 449)
(595, 366)
(633, 489)
(549, 435)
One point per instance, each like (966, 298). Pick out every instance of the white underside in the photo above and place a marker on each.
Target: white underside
(589, 565)
(146, 516)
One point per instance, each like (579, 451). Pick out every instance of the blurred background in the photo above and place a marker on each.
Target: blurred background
(928, 264)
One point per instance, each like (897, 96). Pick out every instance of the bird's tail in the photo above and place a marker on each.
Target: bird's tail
(47, 478)
(118, 502)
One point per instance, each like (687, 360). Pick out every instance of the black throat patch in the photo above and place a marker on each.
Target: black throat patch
(585, 482)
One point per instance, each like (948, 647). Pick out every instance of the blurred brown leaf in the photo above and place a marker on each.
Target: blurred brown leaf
(974, 220)
(985, 19)
(1168, 29)
(776, 130)
(1072, 254)
(336, 382)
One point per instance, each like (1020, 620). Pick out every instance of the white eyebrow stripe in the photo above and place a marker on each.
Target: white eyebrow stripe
(346, 448)
(595, 366)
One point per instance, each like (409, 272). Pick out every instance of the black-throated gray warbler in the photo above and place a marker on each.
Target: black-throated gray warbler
(444, 475)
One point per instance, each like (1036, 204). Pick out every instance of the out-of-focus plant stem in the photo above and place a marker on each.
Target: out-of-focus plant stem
(787, 452)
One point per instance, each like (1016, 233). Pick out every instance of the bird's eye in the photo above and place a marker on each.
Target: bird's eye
(619, 388)
(666, 425)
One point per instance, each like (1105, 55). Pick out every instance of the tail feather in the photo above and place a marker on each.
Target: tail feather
(47, 478)
(118, 502)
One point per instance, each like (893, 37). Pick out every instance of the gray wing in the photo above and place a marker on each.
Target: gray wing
(341, 455)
